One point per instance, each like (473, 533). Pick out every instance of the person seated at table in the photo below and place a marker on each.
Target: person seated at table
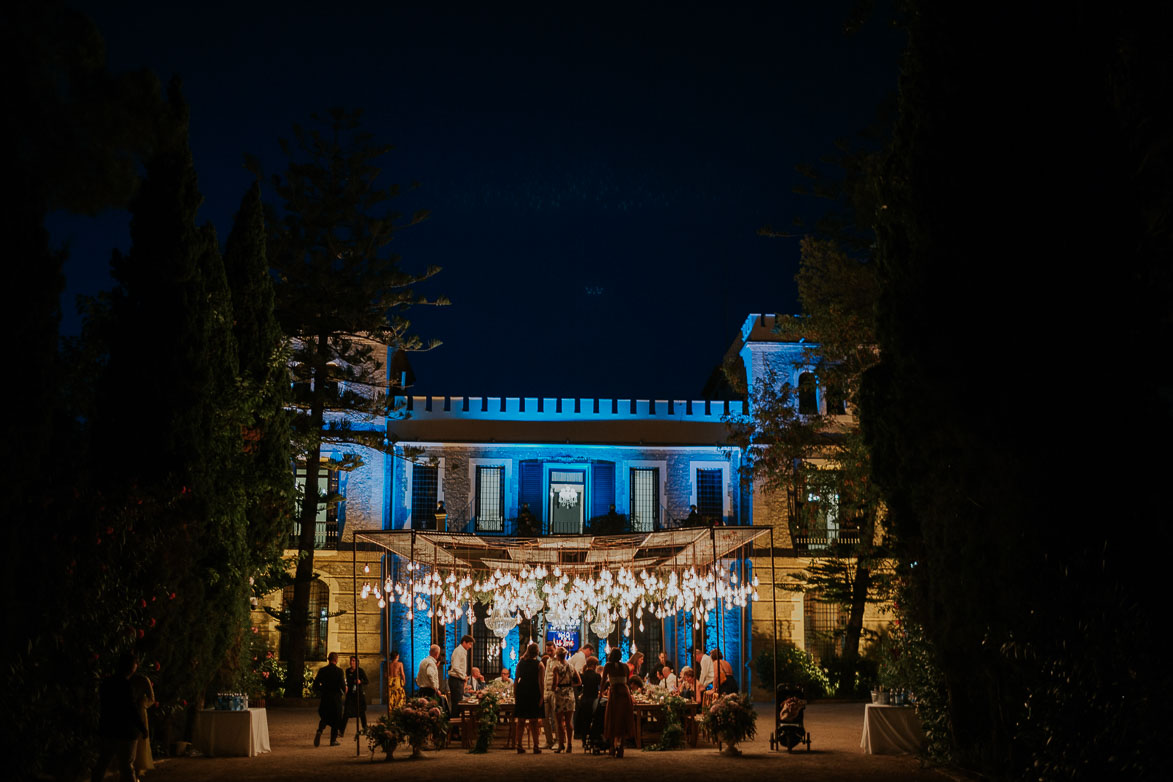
(505, 677)
(667, 678)
(687, 687)
(635, 684)
(475, 681)
(635, 663)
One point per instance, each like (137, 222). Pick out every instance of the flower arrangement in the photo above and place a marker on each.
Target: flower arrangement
(675, 712)
(415, 722)
(486, 722)
(730, 720)
(384, 735)
(499, 688)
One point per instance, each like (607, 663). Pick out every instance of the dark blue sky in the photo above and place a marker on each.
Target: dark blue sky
(595, 178)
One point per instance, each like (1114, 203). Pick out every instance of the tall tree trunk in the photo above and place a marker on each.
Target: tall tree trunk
(854, 629)
(304, 575)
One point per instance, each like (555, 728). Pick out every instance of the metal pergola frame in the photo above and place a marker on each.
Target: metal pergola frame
(673, 549)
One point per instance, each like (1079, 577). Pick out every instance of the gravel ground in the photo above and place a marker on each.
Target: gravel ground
(835, 754)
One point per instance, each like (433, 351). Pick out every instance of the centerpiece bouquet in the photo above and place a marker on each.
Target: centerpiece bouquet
(415, 722)
(675, 712)
(730, 720)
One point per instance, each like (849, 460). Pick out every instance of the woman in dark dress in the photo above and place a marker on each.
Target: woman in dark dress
(619, 720)
(527, 697)
(588, 698)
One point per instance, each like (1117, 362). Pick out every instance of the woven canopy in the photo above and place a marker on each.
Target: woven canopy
(667, 549)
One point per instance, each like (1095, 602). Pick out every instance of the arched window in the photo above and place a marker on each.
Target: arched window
(319, 618)
(808, 397)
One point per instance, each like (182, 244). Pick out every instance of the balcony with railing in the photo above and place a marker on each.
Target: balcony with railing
(325, 535)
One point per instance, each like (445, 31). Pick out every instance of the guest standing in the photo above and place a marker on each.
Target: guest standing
(427, 678)
(564, 680)
(120, 725)
(527, 697)
(331, 685)
(144, 698)
(458, 673)
(619, 720)
(396, 683)
(588, 699)
(356, 696)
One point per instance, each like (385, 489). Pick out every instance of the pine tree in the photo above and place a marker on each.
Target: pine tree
(341, 299)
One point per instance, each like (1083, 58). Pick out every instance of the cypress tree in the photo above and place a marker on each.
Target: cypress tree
(169, 419)
(264, 379)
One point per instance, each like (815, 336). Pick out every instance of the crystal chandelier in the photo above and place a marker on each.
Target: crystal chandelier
(500, 622)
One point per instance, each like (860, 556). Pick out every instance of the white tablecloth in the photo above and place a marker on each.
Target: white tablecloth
(891, 730)
(232, 733)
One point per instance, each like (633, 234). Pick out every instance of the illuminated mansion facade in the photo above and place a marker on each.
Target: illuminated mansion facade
(499, 467)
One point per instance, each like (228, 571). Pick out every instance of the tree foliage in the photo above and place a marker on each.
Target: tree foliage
(342, 298)
(1024, 251)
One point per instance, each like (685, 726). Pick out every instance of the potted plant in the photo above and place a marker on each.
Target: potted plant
(384, 735)
(729, 721)
(415, 722)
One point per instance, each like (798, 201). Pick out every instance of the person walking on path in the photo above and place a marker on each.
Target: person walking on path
(356, 697)
(396, 683)
(331, 685)
(619, 719)
(527, 697)
(120, 724)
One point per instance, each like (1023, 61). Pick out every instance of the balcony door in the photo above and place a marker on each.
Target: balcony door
(567, 501)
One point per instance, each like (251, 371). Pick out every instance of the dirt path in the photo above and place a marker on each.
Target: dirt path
(835, 755)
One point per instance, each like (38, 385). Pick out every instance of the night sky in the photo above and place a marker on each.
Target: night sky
(595, 179)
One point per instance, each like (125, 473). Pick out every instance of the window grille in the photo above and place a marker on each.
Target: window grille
(424, 489)
(645, 499)
(316, 631)
(709, 502)
(824, 625)
(491, 499)
(326, 518)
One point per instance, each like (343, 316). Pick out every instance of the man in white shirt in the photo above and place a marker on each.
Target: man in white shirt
(667, 679)
(427, 679)
(578, 660)
(704, 666)
(458, 672)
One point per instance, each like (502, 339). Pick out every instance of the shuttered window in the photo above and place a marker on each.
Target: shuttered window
(645, 499)
(424, 484)
(490, 499)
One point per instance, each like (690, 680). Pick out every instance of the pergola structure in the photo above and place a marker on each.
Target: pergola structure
(575, 577)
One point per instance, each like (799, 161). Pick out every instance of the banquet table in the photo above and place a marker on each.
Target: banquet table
(231, 733)
(891, 730)
(644, 713)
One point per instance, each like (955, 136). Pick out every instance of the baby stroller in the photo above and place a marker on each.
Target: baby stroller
(595, 743)
(789, 709)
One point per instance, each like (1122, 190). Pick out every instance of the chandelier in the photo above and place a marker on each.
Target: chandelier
(500, 622)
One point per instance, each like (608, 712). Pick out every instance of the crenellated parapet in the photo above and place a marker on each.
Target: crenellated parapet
(492, 408)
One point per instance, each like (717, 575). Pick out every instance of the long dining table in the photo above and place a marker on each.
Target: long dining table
(647, 715)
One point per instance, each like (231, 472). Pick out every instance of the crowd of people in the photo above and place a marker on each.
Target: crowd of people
(559, 694)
